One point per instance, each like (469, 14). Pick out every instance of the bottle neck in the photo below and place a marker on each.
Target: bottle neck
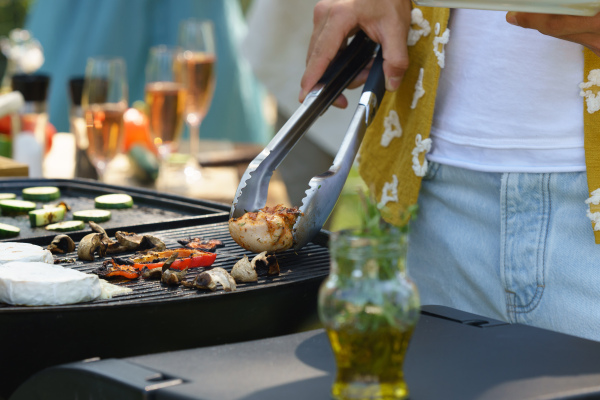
(34, 107)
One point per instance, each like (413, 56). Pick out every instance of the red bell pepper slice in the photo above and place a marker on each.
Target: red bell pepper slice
(190, 259)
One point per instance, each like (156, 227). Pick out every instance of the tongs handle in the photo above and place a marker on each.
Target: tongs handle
(251, 194)
(376, 80)
(325, 189)
(342, 71)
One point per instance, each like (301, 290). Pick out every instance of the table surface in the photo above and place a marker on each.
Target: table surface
(225, 162)
(452, 355)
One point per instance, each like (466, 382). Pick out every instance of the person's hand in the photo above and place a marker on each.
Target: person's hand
(582, 30)
(386, 22)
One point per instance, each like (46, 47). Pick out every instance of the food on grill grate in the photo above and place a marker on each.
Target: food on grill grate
(99, 242)
(7, 231)
(61, 204)
(15, 251)
(90, 245)
(108, 290)
(128, 241)
(261, 265)
(266, 264)
(199, 243)
(154, 273)
(66, 226)
(211, 279)
(92, 215)
(112, 201)
(268, 229)
(187, 258)
(243, 271)
(132, 241)
(171, 277)
(117, 268)
(46, 216)
(16, 207)
(41, 193)
(61, 244)
(40, 284)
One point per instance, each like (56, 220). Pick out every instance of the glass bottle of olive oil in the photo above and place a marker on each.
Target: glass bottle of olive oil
(369, 307)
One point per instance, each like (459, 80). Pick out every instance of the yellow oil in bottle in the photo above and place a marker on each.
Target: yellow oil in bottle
(369, 364)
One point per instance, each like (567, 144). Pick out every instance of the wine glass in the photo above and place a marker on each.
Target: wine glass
(195, 70)
(165, 99)
(104, 100)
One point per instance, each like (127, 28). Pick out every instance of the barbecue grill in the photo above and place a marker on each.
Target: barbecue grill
(156, 318)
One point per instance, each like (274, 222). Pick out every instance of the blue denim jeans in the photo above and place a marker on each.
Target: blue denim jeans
(516, 247)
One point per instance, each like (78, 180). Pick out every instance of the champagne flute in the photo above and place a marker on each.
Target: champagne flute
(104, 100)
(165, 98)
(195, 69)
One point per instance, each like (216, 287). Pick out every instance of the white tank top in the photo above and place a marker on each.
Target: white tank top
(508, 98)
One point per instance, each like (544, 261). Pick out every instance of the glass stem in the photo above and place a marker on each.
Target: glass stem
(194, 121)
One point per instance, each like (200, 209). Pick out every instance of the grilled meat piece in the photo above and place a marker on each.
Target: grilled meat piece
(268, 229)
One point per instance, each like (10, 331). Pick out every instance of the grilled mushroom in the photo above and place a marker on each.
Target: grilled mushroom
(152, 243)
(265, 264)
(90, 244)
(62, 244)
(210, 279)
(243, 271)
(112, 247)
(151, 273)
(129, 240)
(173, 277)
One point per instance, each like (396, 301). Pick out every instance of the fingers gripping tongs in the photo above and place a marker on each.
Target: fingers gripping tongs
(324, 189)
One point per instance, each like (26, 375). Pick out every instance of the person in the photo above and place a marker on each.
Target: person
(489, 124)
(278, 33)
(70, 31)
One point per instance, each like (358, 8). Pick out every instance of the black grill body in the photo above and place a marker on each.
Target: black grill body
(156, 318)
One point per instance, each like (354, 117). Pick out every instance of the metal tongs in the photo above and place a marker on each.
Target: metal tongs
(324, 189)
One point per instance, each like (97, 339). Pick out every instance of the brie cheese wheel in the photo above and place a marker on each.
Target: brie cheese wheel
(41, 284)
(14, 251)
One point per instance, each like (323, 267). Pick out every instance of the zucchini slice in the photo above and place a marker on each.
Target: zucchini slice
(66, 226)
(92, 215)
(46, 216)
(41, 193)
(116, 200)
(15, 207)
(8, 231)
(7, 196)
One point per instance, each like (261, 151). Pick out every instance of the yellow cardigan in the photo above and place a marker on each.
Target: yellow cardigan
(392, 155)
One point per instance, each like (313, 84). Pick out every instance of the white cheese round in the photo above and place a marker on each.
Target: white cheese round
(14, 251)
(41, 284)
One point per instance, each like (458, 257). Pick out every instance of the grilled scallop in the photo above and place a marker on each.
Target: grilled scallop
(269, 229)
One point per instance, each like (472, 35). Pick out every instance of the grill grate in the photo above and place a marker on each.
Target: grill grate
(309, 263)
